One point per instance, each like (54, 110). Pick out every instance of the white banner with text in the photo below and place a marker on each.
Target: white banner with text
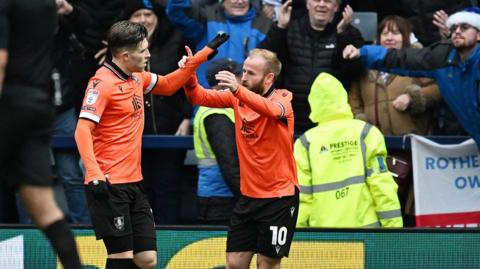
(446, 182)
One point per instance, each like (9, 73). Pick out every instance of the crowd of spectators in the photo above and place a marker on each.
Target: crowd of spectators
(308, 37)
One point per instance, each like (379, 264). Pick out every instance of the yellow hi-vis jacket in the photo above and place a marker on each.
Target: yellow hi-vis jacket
(342, 171)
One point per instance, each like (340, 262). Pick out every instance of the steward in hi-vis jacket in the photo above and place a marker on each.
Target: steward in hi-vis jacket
(342, 172)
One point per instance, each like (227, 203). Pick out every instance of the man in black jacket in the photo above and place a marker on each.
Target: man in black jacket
(310, 45)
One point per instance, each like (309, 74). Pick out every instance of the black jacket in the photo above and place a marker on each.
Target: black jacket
(163, 114)
(304, 53)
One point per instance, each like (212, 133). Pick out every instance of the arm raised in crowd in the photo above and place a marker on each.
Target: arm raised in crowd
(276, 39)
(189, 19)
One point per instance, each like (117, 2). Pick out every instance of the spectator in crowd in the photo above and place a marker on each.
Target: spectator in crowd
(215, 148)
(271, 9)
(164, 115)
(420, 13)
(344, 180)
(445, 122)
(396, 105)
(27, 31)
(263, 220)
(108, 137)
(453, 64)
(89, 21)
(238, 18)
(309, 45)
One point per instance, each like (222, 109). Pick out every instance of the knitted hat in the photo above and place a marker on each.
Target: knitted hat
(221, 64)
(133, 5)
(469, 16)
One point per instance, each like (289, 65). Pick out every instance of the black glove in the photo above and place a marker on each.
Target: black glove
(216, 42)
(99, 189)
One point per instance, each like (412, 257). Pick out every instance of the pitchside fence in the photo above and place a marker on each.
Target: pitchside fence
(204, 248)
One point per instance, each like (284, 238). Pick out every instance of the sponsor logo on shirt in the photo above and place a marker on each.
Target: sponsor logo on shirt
(89, 108)
(248, 129)
(136, 102)
(92, 96)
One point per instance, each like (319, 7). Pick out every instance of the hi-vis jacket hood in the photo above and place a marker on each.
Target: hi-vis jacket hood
(328, 100)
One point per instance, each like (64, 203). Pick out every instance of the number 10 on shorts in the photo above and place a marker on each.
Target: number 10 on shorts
(278, 235)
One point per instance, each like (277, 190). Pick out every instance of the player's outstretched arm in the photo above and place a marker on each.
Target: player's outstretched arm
(170, 83)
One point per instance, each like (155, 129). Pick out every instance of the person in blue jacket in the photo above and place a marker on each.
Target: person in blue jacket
(246, 26)
(453, 63)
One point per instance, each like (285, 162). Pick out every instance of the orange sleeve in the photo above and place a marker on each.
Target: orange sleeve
(277, 107)
(84, 140)
(170, 83)
(97, 96)
(197, 95)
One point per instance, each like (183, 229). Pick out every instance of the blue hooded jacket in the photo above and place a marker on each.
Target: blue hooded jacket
(201, 24)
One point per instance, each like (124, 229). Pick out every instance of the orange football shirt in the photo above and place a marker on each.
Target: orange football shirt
(115, 102)
(264, 136)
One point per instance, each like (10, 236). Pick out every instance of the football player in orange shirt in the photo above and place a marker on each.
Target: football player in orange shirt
(265, 216)
(109, 134)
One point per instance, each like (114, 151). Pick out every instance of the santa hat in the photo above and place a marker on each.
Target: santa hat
(469, 16)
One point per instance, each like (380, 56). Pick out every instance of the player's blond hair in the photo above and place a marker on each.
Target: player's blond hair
(273, 63)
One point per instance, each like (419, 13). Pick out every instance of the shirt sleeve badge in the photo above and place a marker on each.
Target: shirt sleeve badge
(92, 96)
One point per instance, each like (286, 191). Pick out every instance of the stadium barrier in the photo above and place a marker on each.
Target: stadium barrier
(186, 142)
(204, 248)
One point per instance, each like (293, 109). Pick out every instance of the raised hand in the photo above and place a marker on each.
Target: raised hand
(63, 7)
(221, 38)
(218, 40)
(347, 17)
(101, 55)
(440, 20)
(185, 58)
(285, 14)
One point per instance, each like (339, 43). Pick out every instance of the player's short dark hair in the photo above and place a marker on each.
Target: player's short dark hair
(125, 35)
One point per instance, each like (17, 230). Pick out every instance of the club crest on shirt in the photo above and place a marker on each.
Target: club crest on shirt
(136, 79)
(92, 96)
(119, 223)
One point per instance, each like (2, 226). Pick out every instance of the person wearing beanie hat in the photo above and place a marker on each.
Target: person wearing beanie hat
(214, 143)
(454, 64)
(145, 12)
(219, 65)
